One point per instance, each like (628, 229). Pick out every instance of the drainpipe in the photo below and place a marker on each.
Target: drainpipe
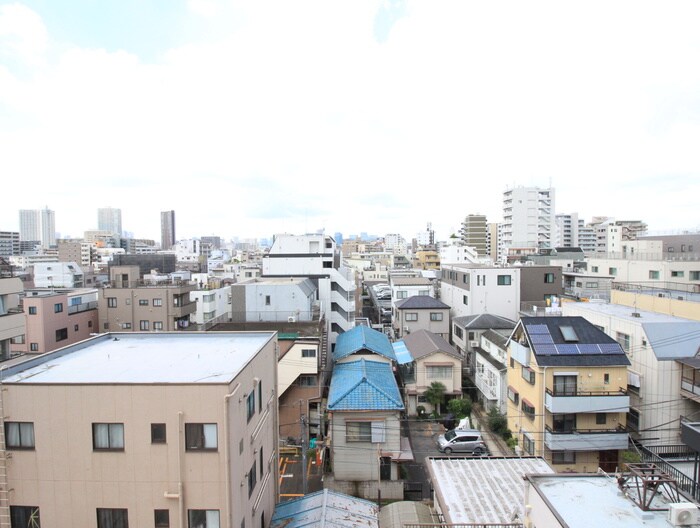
(227, 454)
(544, 396)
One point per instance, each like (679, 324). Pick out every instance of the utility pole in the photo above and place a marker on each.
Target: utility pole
(303, 453)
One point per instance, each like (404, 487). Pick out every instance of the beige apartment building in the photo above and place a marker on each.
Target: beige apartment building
(56, 318)
(12, 326)
(132, 304)
(130, 429)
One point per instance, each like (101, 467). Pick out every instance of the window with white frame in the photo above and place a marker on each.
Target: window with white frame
(308, 353)
(438, 371)
(358, 431)
(108, 436)
(435, 316)
(528, 445)
(624, 340)
(411, 316)
(203, 519)
(157, 302)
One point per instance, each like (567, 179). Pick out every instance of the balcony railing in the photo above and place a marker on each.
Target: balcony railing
(84, 307)
(170, 283)
(587, 401)
(586, 439)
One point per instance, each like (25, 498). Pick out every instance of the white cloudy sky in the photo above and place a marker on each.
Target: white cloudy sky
(255, 117)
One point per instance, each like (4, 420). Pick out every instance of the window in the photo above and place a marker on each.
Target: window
(503, 280)
(157, 325)
(594, 269)
(682, 248)
(112, 518)
(458, 332)
(677, 274)
(19, 435)
(111, 302)
(157, 433)
(157, 302)
(465, 299)
(564, 423)
(411, 316)
(262, 462)
(563, 457)
(24, 517)
(108, 436)
(528, 375)
(34, 347)
(654, 274)
(201, 436)
(435, 316)
(606, 378)
(565, 385)
(568, 333)
(307, 380)
(58, 307)
(671, 249)
(143, 325)
(438, 371)
(549, 278)
(76, 328)
(267, 300)
(308, 353)
(591, 285)
(612, 271)
(143, 302)
(61, 334)
(32, 310)
(512, 363)
(624, 340)
(250, 404)
(472, 336)
(202, 518)
(89, 324)
(695, 275)
(528, 445)
(161, 518)
(513, 395)
(358, 431)
(126, 326)
(252, 478)
(600, 418)
(528, 409)
(260, 396)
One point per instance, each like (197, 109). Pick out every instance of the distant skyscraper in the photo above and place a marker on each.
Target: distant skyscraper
(38, 225)
(110, 219)
(528, 218)
(167, 229)
(474, 233)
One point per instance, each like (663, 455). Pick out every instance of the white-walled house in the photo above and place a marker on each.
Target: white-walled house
(213, 305)
(421, 312)
(58, 275)
(289, 299)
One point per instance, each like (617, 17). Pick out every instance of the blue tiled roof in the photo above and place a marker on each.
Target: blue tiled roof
(325, 508)
(362, 338)
(364, 385)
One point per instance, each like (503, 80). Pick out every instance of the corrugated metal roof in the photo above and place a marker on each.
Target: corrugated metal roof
(326, 508)
(673, 340)
(363, 386)
(363, 338)
(403, 356)
(398, 514)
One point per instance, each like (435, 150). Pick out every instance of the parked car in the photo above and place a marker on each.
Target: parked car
(462, 441)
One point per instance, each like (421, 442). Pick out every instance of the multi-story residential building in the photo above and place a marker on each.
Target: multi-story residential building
(56, 318)
(132, 429)
(12, 323)
(610, 233)
(502, 291)
(38, 225)
(75, 251)
(427, 259)
(131, 304)
(314, 256)
(110, 219)
(293, 299)
(572, 232)
(102, 239)
(528, 218)
(421, 312)
(161, 262)
(403, 287)
(138, 246)
(455, 254)
(426, 238)
(678, 246)
(474, 233)
(490, 371)
(58, 275)
(650, 268)
(213, 305)
(656, 345)
(493, 241)
(567, 393)
(167, 229)
(431, 358)
(9, 243)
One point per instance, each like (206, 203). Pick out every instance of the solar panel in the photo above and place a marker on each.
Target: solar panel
(541, 339)
(537, 329)
(567, 349)
(611, 348)
(588, 348)
(547, 350)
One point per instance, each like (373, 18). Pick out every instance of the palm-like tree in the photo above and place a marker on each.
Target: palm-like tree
(434, 394)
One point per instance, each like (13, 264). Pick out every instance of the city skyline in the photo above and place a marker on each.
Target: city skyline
(250, 120)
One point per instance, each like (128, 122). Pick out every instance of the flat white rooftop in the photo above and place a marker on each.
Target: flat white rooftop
(482, 490)
(595, 500)
(133, 358)
(624, 312)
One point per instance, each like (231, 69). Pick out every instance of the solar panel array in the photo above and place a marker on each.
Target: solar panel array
(544, 344)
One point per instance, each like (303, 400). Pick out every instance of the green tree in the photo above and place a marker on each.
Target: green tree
(434, 394)
(460, 408)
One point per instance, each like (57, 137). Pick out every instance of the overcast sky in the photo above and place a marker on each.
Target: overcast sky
(252, 118)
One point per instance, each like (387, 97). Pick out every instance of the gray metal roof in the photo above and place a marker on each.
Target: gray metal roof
(325, 508)
(484, 321)
(673, 340)
(422, 343)
(421, 302)
(496, 337)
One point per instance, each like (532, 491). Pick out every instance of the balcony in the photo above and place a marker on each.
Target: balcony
(586, 439)
(587, 402)
(520, 353)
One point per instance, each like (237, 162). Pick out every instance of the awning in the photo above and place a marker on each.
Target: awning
(403, 356)
(634, 379)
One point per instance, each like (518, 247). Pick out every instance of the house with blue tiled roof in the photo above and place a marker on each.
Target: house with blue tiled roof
(364, 407)
(363, 341)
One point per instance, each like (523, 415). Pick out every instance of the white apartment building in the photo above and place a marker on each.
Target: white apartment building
(213, 305)
(315, 256)
(129, 429)
(455, 254)
(58, 275)
(572, 231)
(38, 225)
(12, 320)
(280, 299)
(630, 268)
(528, 218)
(654, 343)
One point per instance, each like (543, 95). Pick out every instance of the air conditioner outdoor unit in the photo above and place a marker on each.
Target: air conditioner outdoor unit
(682, 514)
(291, 319)
(474, 344)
